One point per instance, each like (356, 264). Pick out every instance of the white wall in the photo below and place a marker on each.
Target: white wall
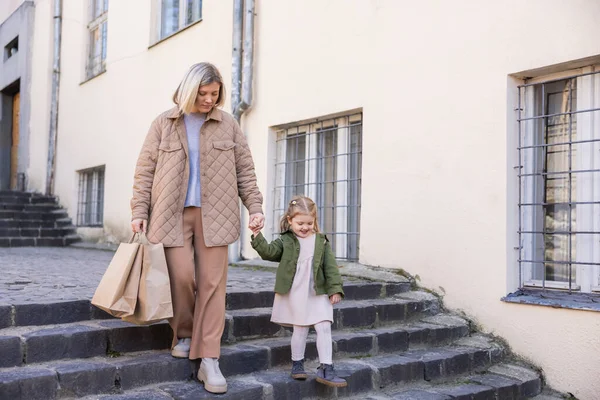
(7, 7)
(432, 79)
(41, 85)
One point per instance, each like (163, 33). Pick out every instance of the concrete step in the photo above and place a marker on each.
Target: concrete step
(40, 223)
(106, 375)
(38, 207)
(26, 198)
(28, 345)
(81, 310)
(33, 215)
(39, 241)
(20, 194)
(37, 232)
(277, 385)
(502, 381)
(254, 323)
(354, 290)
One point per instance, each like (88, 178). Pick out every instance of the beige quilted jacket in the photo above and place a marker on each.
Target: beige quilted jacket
(162, 173)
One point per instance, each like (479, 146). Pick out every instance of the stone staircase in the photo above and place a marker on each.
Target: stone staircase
(32, 219)
(390, 342)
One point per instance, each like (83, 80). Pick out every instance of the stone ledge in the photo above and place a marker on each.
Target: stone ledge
(555, 299)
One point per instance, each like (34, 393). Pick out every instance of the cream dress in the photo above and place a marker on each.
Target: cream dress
(301, 305)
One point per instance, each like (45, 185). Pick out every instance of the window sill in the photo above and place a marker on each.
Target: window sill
(93, 77)
(573, 301)
(159, 41)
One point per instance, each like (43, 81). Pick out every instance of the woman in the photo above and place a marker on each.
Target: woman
(193, 166)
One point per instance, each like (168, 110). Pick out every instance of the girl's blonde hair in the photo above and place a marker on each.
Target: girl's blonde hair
(198, 75)
(299, 205)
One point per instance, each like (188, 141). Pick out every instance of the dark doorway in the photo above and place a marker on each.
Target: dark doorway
(10, 109)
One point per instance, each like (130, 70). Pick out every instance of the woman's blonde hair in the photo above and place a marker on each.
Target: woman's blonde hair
(299, 205)
(198, 75)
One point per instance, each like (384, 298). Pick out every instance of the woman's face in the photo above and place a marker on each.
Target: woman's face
(207, 97)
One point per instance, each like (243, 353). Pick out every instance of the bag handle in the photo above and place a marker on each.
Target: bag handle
(132, 237)
(139, 237)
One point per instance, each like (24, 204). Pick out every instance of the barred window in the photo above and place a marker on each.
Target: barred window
(559, 177)
(322, 159)
(175, 15)
(90, 205)
(98, 37)
(11, 49)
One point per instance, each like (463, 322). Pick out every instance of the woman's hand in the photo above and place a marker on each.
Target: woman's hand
(257, 222)
(335, 298)
(139, 225)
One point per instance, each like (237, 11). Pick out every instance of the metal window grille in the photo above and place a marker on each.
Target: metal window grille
(90, 205)
(98, 38)
(11, 48)
(559, 183)
(322, 159)
(177, 14)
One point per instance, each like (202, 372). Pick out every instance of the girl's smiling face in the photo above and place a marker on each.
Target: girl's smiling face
(302, 225)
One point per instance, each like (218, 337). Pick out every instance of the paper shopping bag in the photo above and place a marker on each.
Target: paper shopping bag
(118, 290)
(154, 296)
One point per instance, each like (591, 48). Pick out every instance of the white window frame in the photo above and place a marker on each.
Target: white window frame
(588, 158)
(94, 68)
(337, 125)
(157, 34)
(90, 200)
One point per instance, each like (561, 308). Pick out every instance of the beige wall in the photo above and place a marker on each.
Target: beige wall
(432, 79)
(7, 7)
(41, 85)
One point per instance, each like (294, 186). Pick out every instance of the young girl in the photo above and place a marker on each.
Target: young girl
(307, 285)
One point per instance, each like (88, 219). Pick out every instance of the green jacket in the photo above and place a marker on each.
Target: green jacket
(286, 250)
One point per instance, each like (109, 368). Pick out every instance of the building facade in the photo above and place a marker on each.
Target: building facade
(16, 32)
(459, 141)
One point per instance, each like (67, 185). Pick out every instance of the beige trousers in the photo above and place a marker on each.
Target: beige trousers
(198, 280)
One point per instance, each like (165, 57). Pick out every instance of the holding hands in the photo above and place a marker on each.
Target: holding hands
(257, 222)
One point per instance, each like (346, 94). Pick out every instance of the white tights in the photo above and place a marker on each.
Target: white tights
(324, 342)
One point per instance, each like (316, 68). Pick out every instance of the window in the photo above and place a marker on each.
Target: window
(11, 48)
(97, 31)
(90, 204)
(175, 15)
(559, 177)
(322, 160)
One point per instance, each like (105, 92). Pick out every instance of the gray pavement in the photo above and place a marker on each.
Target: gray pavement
(50, 274)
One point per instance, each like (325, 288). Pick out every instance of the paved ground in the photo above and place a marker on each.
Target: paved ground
(48, 274)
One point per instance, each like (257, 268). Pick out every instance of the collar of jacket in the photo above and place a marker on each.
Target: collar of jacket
(215, 114)
(293, 235)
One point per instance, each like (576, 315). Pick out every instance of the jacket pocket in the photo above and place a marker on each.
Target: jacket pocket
(172, 145)
(224, 145)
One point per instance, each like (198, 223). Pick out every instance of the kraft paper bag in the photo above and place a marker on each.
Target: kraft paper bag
(154, 296)
(118, 290)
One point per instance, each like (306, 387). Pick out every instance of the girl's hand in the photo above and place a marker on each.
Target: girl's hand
(255, 231)
(335, 298)
(257, 221)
